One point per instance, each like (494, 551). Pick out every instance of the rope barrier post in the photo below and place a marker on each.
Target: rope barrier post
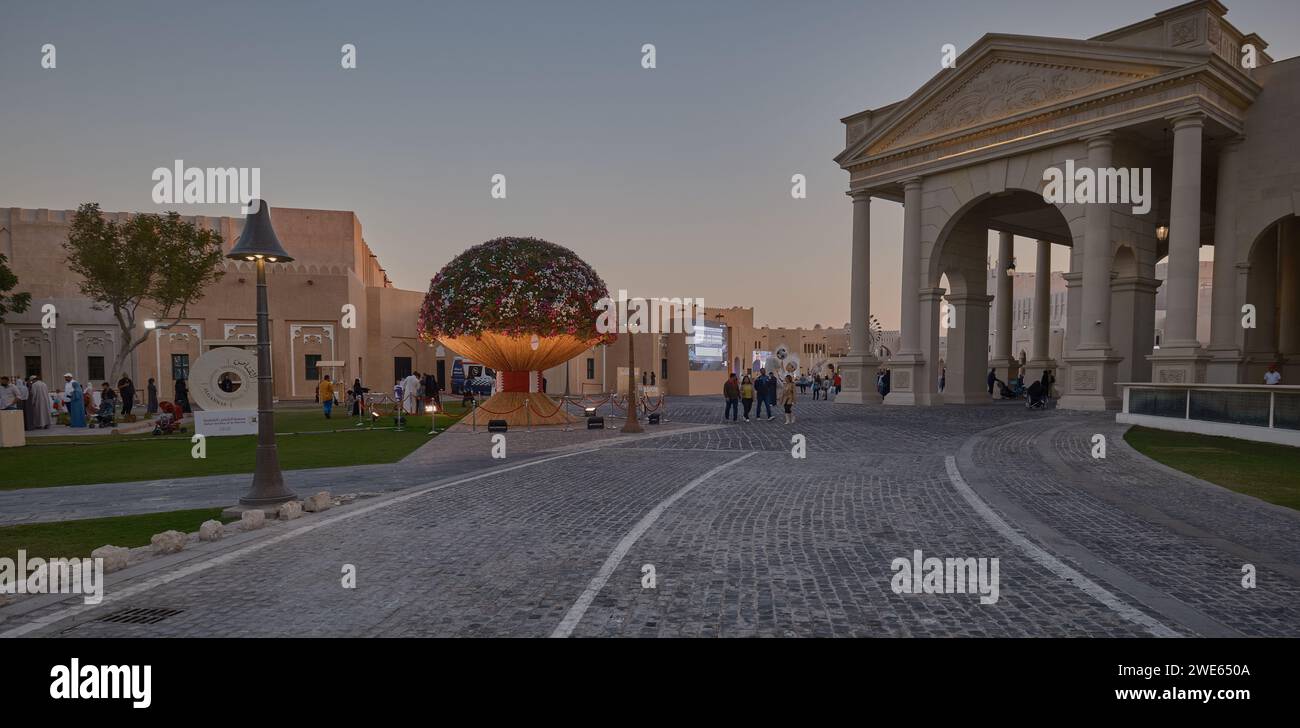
(473, 415)
(528, 413)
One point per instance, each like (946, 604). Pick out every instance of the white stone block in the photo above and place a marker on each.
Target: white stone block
(168, 542)
(252, 519)
(211, 531)
(291, 510)
(317, 503)
(115, 557)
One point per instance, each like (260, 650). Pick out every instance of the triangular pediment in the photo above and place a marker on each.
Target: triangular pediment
(1001, 79)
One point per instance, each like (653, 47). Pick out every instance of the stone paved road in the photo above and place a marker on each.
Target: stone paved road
(767, 545)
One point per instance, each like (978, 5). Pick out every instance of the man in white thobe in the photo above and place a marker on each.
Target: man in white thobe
(40, 395)
(411, 393)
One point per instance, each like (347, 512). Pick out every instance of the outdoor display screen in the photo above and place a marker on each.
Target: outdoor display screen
(707, 349)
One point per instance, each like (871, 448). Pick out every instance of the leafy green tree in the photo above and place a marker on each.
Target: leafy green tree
(158, 261)
(16, 302)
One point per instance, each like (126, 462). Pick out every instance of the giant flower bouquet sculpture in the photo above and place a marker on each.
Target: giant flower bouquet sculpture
(519, 306)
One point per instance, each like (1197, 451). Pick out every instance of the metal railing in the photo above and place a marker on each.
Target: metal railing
(1270, 413)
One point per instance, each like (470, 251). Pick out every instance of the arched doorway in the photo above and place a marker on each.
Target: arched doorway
(960, 257)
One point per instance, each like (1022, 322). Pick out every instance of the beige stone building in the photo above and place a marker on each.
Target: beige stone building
(333, 266)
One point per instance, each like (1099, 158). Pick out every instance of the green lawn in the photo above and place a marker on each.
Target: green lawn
(72, 539)
(305, 439)
(1265, 471)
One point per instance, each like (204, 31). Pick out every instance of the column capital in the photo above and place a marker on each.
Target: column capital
(970, 299)
(1102, 138)
(1187, 120)
(859, 195)
(911, 183)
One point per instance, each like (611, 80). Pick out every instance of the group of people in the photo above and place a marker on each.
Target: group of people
(765, 389)
(1015, 388)
(824, 386)
(411, 392)
(32, 396)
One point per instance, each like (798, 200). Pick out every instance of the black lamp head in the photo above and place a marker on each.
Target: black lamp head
(258, 239)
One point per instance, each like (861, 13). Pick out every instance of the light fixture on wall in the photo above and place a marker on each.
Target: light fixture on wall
(150, 324)
(1162, 233)
(1011, 267)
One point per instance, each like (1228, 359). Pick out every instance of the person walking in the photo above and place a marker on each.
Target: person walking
(747, 394)
(787, 399)
(943, 378)
(358, 397)
(731, 392)
(762, 386)
(24, 396)
(126, 388)
(40, 404)
(74, 398)
(992, 379)
(183, 396)
(411, 393)
(325, 394)
(838, 383)
(151, 391)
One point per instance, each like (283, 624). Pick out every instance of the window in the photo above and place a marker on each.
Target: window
(401, 367)
(33, 366)
(313, 373)
(663, 368)
(180, 366)
(94, 367)
(591, 368)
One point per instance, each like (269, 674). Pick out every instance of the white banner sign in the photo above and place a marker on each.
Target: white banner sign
(215, 423)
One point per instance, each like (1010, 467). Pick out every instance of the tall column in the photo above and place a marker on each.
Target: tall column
(1002, 302)
(1097, 256)
(857, 370)
(860, 274)
(1093, 369)
(1181, 358)
(1041, 356)
(1226, 333)
(910, 313)
(910, 366)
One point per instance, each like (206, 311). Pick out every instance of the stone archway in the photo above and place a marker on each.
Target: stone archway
(959, 253)
(1272, 288)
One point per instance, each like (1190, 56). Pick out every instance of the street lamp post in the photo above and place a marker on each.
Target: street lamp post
(258, 243)
(631, 426)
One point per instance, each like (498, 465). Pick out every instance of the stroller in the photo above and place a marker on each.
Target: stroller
(104, 417)
(1036, 396)
(168, 422)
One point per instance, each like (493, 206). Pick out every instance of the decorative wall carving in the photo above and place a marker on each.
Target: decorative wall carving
(901, 379)
(1085, 380)
(1172, 376)
(1001, 88)
(1182, 32)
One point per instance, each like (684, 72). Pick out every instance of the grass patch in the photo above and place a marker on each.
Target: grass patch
(1263, 470)
(77, 539)
(305, 439)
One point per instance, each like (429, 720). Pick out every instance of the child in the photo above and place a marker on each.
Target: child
(787, 399)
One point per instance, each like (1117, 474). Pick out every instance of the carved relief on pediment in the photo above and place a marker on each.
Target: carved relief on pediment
(1001, 89)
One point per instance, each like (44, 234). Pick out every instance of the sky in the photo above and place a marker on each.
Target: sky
(671, 181)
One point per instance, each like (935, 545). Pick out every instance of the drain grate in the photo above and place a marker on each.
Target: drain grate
(140, 615)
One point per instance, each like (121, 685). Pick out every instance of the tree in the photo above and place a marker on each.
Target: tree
(16, 302)
(160, 261)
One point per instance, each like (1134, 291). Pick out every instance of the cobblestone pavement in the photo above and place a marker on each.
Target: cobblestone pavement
(766, 545)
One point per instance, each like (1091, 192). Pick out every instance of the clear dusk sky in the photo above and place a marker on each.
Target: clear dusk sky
(670, 182)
